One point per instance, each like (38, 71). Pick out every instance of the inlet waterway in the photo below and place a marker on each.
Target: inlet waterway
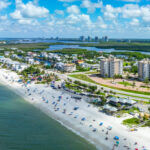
(24, 127)
(60, 47)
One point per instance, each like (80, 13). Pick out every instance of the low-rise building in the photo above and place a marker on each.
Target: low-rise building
(13, 65)
(69, 67)
(65, 67)
(79, 62)
(6, 53)
(123, 101)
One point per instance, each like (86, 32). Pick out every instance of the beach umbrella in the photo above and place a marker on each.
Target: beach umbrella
(83, 119)
(101, 124)
(116, 138)
(109, 127)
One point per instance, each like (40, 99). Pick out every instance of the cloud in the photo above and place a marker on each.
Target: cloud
(100, 23)
(73, 9)
(91, 6)
(132, 1)
(80, 20)
(29, 10)
(4, 4)
(128, 11)
(134, 22)
(59, 12)
(111, 12)
(28, 13)
(131, 11)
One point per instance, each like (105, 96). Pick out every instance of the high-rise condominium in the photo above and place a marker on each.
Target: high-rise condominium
(144, 69)
(111, 66)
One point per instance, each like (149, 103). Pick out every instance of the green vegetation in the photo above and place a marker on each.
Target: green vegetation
(131, 121)
(83, 77)
(147, 124)
(92, 72)
(136, 55)
(132, 110)
(125, 83)
(86, 78)
(85, 53)
(77, 86)
(27, 46)
(31, 71)
(133, 46)
(81, 69)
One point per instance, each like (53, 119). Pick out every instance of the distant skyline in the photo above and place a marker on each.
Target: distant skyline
(73, 18)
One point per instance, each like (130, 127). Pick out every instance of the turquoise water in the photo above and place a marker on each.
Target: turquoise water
(23, 127)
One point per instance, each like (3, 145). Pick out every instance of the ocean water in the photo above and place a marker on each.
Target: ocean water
(24, 127)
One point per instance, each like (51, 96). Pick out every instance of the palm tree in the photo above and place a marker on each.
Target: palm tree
(133, 84)
(146, 81)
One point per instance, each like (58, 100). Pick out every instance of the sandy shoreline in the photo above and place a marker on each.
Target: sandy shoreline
(81, 128)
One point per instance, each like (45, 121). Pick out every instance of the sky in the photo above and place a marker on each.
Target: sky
(73, 18)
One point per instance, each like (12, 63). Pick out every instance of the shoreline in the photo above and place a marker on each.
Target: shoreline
(53, 116)
(71, 123)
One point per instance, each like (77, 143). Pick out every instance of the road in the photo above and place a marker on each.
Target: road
(118, 92)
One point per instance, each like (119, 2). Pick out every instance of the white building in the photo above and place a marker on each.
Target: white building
(30, 60)
(14, 56)
(6, 53)
(54, 56)
(69, 68)
(14, 65)
(44, 54)
(144, 69)
(65, 67)
(109, 67)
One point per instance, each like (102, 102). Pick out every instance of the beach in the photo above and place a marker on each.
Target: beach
(84, 121)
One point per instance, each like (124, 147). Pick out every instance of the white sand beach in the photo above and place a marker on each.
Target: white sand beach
(83, 121)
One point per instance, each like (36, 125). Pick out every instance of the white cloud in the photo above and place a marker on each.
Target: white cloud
(91, 6)
(29, 10)
(111, 12)
(4, 4)
(32, 11)
(73, 9)
(59, 12)
(80, 20)
(145, 11)
(134, 22)
(131, 11)
(3, 17)
(128, 11)
(100, 23)
(132, 1)
(28, 13)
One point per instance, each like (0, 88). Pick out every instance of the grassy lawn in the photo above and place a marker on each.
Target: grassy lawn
(135, 96)
(132, 121)
(83, 77)
(133, 110)
(92, 72)
(142, 102)
(86, 78)
(125, 83)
